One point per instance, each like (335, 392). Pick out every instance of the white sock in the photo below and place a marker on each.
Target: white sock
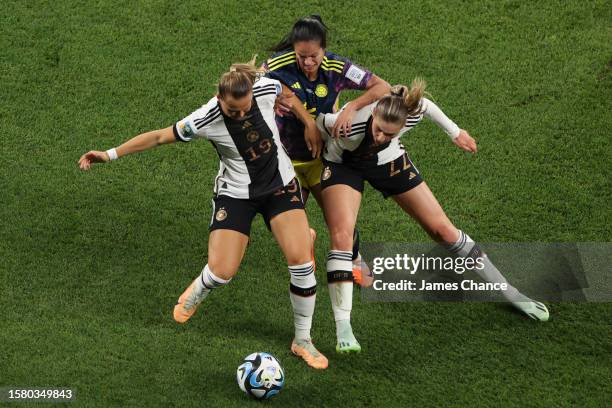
(207, 281)
(344, 330)
(302, 292)
(466, 247)
(340, 283)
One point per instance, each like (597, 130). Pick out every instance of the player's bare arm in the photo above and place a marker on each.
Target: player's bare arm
(311, 132)
(465, 142)
(142, 142)
(375, 89)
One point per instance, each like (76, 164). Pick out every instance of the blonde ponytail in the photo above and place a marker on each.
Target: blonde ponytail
(401, 102)
(239, 80)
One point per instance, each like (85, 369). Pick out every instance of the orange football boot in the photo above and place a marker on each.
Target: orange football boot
(187, 304)
(308, 352)
(362, 275)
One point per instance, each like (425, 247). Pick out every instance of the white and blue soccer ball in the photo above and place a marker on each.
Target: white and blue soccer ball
(260, 375)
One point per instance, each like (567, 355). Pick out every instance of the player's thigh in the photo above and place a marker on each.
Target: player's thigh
(309, 176)
(422, 205)
(301, 172)
(318, 194)
(341, 187)
(291, 231)
(313, 172)
(226, 249)
(230, 228)
(305, 195)
(341, 206)
(284, 214)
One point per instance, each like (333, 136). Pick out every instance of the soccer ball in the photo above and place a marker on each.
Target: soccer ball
(260, 375)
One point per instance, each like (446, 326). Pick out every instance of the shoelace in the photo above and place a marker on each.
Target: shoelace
(310, 347)
(191, 301)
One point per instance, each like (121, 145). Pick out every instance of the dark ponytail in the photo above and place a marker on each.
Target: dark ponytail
(309, 28)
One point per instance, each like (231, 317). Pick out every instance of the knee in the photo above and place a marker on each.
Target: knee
(222, 270)
(444, 232)
(341, 239)
(299, 250)
(299, 258)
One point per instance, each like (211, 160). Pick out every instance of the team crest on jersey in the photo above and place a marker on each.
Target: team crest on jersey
(186, 130)
(326, 173)
(321, 90)
(252, 136)
(221, 214)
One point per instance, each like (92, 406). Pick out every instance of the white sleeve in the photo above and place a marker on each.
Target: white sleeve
(267, 82)
(325, 123)
(278, 87)
(194, 125)
(266, 91)
(433, 112)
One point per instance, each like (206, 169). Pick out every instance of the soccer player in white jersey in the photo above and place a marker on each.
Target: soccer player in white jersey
(372, 152)
(255, 176)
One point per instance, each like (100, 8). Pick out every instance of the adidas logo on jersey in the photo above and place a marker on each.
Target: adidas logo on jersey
(296, 86)
(294, 199)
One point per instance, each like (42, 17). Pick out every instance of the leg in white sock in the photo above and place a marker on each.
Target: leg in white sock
(302, 291)
(199, 289)
(340, 285)
(466, 247)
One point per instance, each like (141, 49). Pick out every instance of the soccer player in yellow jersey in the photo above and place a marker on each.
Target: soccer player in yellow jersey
(316, 76)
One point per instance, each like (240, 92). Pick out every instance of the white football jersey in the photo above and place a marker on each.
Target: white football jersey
(358, 148)
(253, 162)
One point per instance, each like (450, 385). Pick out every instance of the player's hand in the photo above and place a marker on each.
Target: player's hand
(314, 141)
(465, 142)
(91, 157)
(282, 104)
(342, 127)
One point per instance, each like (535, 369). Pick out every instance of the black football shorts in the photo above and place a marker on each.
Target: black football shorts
(393, 178)
(237, 214)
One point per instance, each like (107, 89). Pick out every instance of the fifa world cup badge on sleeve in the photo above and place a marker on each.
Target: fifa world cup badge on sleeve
(186, 130)
(355, 74)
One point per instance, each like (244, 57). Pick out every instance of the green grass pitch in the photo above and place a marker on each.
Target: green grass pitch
(91, 263)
